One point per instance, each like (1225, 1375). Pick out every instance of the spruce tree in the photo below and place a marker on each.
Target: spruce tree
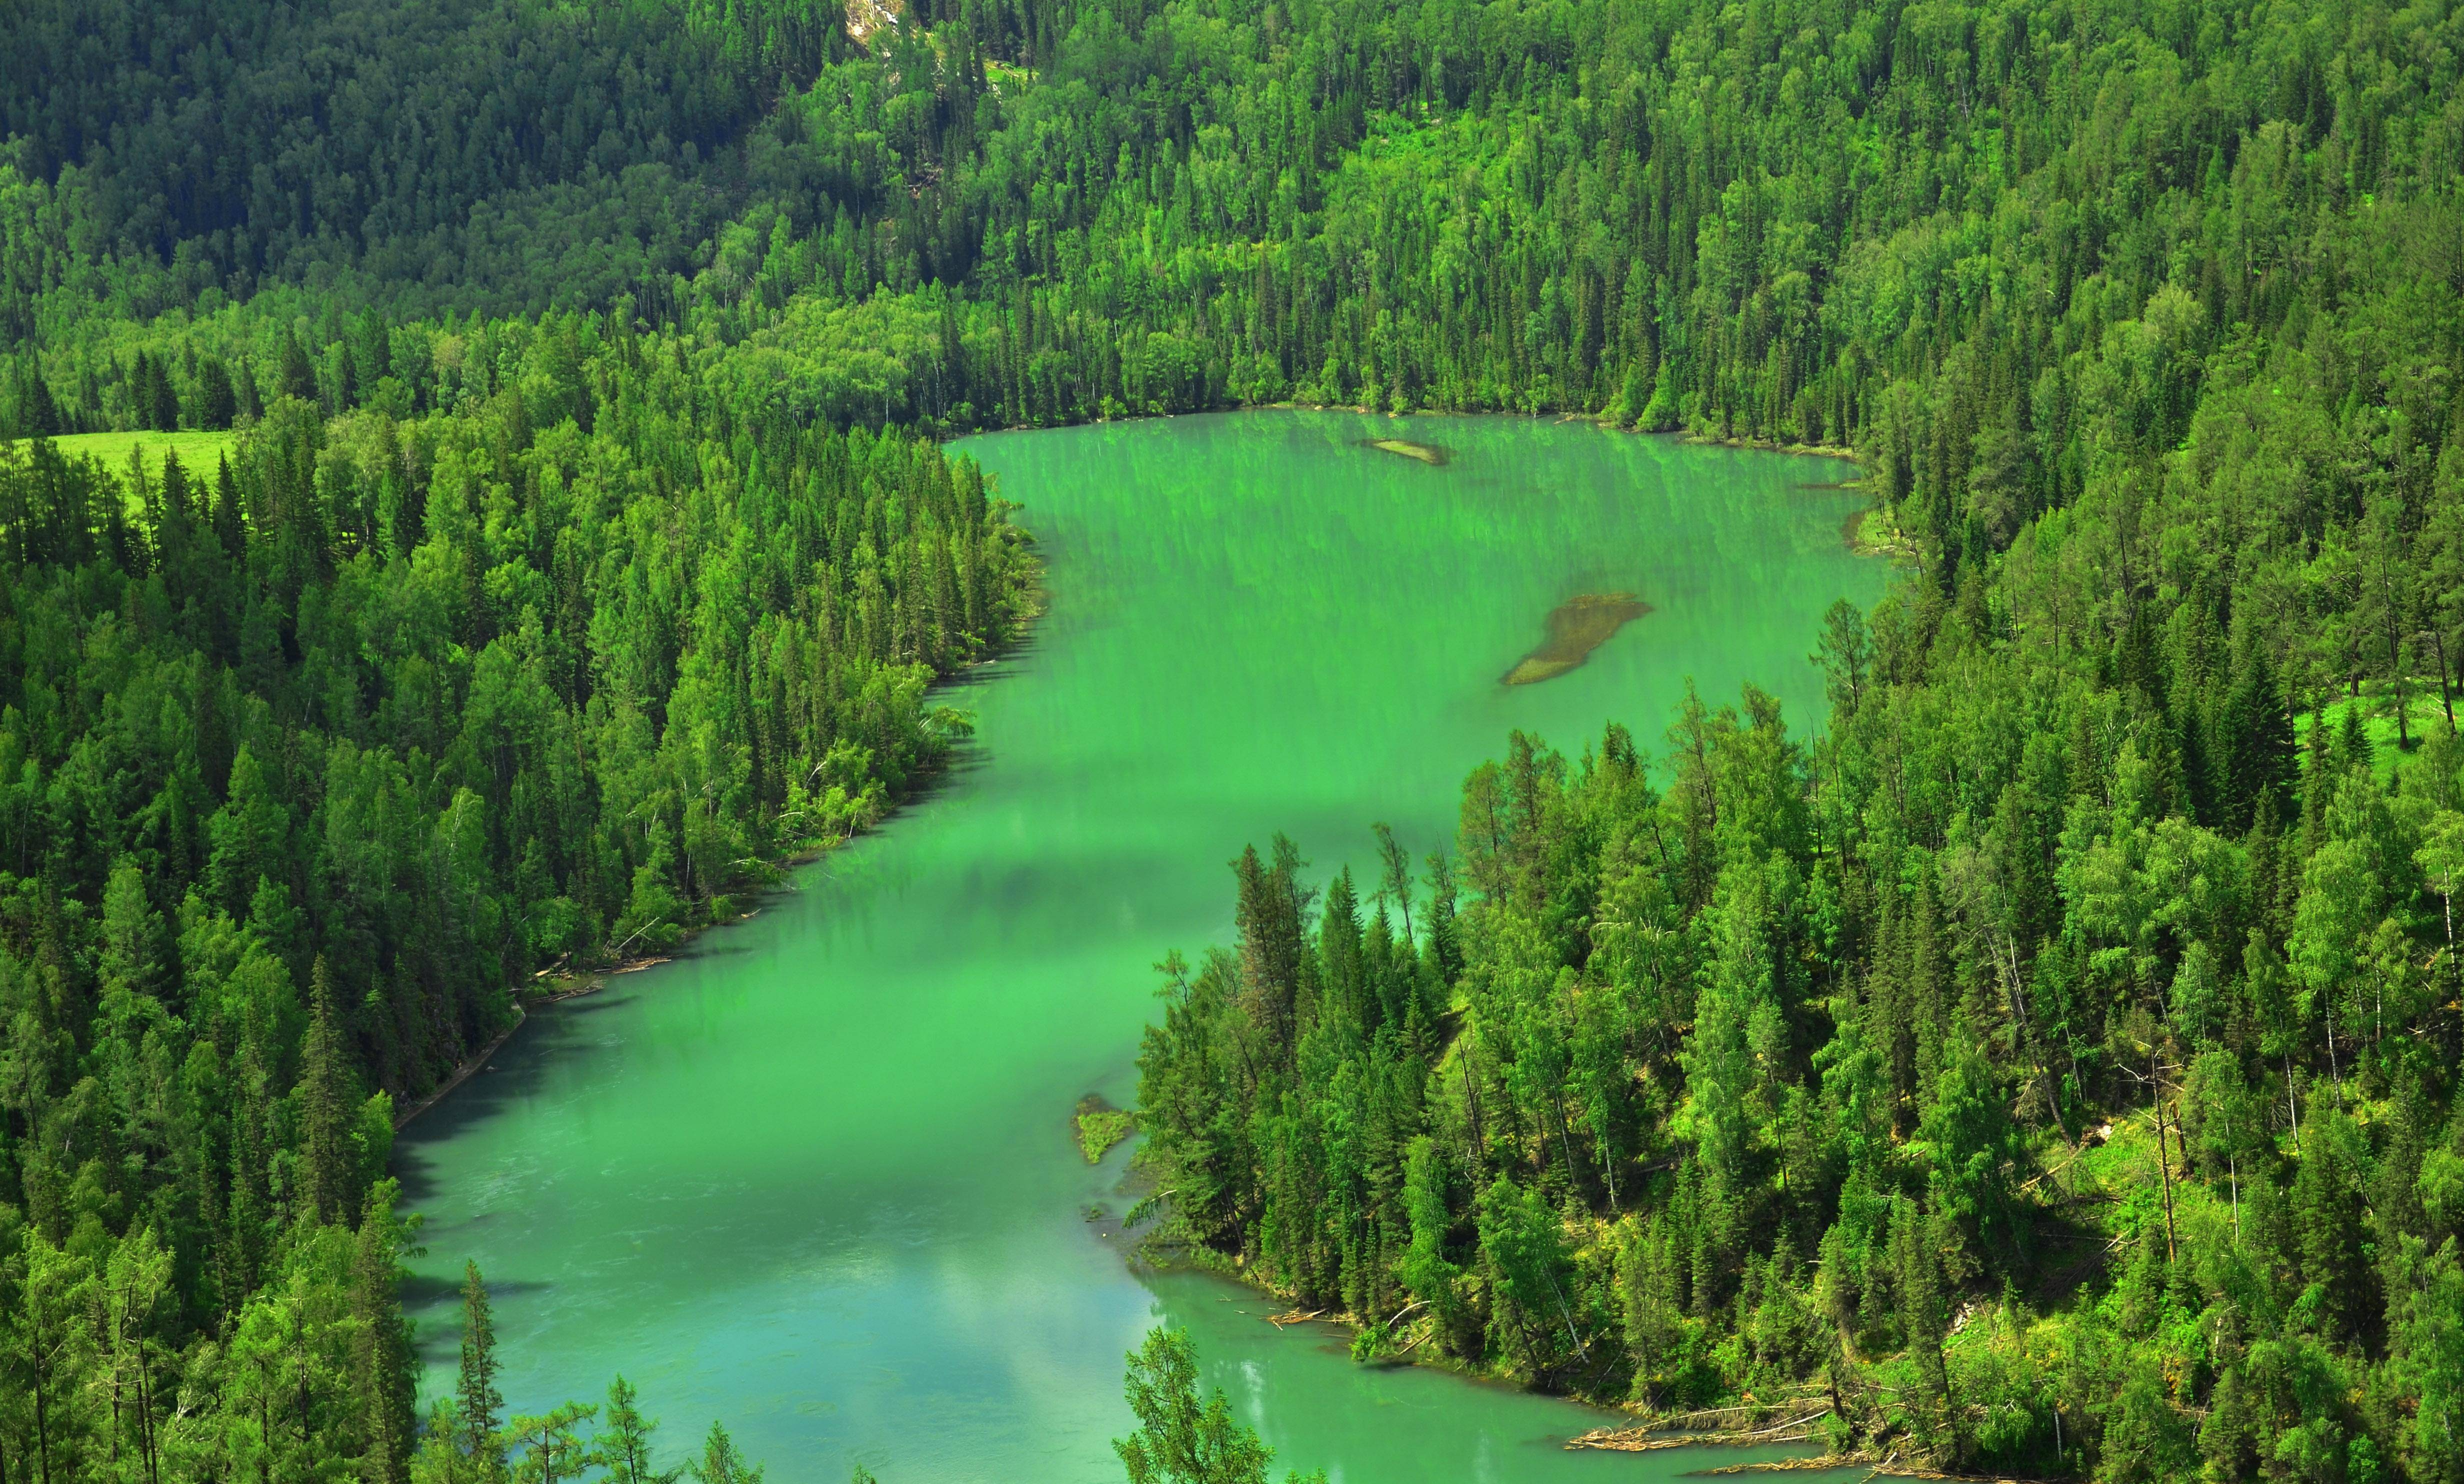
(230, 525)
(1181, 1437)
(1270, 950)
(297, 377)
(217, 402)
(385, 1382)
(479, 1403)
(721, 1463)
(328, 1173)
(162, 401)
(250, 402)
(140, 388)
(38, 416)
(626, 1439)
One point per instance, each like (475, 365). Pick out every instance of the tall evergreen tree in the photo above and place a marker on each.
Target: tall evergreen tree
(478, 1434)
(329, 1175)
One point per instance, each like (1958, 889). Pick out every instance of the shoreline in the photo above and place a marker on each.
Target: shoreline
(555, 985)
(1664, 1429)
(561, 981)
(469, 1068)
(1645, 1431)
(1595, 419)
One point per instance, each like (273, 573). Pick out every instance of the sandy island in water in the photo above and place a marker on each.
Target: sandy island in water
(1425, 452)
(1576, 628)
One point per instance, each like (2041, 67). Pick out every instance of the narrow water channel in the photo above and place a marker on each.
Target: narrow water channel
(815, 1176)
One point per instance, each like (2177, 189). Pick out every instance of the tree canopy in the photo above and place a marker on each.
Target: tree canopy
(2050, 1061)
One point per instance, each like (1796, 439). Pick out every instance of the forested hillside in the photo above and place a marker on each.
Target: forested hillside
(310, 760)
(472, 151)
(2050, 1066)
(2053, 1058)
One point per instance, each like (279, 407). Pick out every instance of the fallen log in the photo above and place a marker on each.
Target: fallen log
(1643, 1440)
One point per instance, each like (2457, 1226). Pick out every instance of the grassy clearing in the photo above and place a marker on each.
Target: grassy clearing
(197, 451)
(2423, 716)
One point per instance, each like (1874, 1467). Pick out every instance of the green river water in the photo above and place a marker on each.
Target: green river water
(814, 1178)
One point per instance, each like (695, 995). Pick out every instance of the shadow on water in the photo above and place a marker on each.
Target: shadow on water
(521, 1067)
(965, 761)
(514, 1075)
(440, 1343)
(421, 1289)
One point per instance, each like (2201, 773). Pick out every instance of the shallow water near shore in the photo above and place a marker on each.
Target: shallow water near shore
(817, 1177)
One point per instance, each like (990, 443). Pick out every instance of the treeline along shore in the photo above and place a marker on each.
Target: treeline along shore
(2045, 1060)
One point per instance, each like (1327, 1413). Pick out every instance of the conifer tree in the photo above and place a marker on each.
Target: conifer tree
(625, 1438)
(386, 1367)
(160, 403)
(328, 1162)
(296, 377)
(217, 403)
(38, 416)
(1181, 1437)
(478, 1404)
(721, 1462)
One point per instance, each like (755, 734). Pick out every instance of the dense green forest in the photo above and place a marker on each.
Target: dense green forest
(311, 761)
(183, 154)
(2050, 1067)
(2049, 1064)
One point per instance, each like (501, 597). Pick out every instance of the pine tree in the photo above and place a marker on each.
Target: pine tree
(297, 377)
(386, 1378)
(479, 1404)
(553, 1449)
(626, 1439)
(721, 1463)
(217, 403)
(328, 1162)
(1182, 1438)
(38, 416)
(132, 933)
(162, 404)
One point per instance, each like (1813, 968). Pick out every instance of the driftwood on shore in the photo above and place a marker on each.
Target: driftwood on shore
(1714, 1419)
(1644, 1440)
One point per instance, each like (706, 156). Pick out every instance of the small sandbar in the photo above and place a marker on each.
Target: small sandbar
(1426, 452)
(1576, 628)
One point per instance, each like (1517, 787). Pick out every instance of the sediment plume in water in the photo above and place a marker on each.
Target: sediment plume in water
(1576, 627)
